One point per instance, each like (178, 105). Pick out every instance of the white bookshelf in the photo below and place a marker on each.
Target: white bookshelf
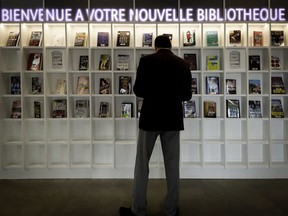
(106, 147)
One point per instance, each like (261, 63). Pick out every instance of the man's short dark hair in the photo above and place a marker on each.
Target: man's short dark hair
(162, 41)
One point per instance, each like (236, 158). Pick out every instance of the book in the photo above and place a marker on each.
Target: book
(59, 108)
(254, 62)
(277, 85)
(213, 62)
(16, 109)
(191, 58)
(189, 109)
(126, 110)
(234, 59)
(277, 38)
(105, 86)
(80, 39)
(123, 38)
(212, 38)
(81, 109)
(57, 60)
(231, 86)
(147, 39)
(13, 39)
(83, 85)
(105, 62)
(254, 86)
(194, 85)
(235, 37)
(276, 109)
(37, 109)
(232, 108)
(275, 63)
(83, 62)
(104, 110)
(125, 85)
(189, 38)
(257, 38)
(15, 84)
(34, 62)
(255, 109)
(61, 86)
(210, 109)
(35, 38)
(212, 85)
(36, 85)
(103, 39)
(122, 62)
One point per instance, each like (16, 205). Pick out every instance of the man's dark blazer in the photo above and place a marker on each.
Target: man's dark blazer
(163, 81)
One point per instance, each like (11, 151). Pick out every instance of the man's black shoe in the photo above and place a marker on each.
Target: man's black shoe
(126, 212)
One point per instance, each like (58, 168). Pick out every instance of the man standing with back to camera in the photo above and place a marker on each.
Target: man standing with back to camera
(163, 81)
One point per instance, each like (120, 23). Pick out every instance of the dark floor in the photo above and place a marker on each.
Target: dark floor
(104, 197)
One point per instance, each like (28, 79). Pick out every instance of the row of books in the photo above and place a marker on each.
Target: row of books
(123, 38)
(213, 85)
(233, 109)
(81, 109)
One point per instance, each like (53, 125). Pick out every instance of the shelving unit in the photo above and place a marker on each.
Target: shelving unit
(105, 147)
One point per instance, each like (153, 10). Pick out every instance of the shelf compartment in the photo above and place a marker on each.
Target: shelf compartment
(55, 34)
(35, 156)
(140, 29)
(262, 27)
(103, 130)
(80, 130)
(279, 154)
(125, 130)
(278, 131)
(57, 131)
(80, 155)
(57, 156)
(103, 155)
(34, 131)
(258, 155)
(5, 31)
(95, 29)
(236, 26)
(74, 58)
(236, 155)
(10, 135)
(170, 28)
(214, 131)
(236, 130)
(11, 56)
(192, 130)
(213, 154)
(263, 53)
(96, 59)
(191, 27)
(191, 155)
(53, 65)
(12, 157)
(125, 156)
(257, 131)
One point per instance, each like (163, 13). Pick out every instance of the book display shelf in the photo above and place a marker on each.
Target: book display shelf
(91, 145)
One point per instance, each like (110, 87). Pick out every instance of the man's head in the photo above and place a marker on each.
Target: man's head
(162, 41)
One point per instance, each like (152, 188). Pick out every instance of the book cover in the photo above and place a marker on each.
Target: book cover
(234, 59)
(123, 38)
(104, 110)
(189, 109)
(127, 110)
(61, 86)
(276, 109)
(277, 85)
(103, 39)
(83, 85)
(59, 108)
(235, 37)
(210, 109)
(277, 38)
(212, 38)
(35, 38)
(36, 85)
(16, 109)
(13, 39)
(255, 109)
(147, 39)
(258, 38)
(83, 62)
(15, 85)
(231, 86)
(37, 109)
(57, 60)
(34, 62)
(191, 58)
(212, 62)
(189, 38)
(232, 108)
(122, 62)
(80, 39)
(105, 62)
(81, 109)
(254, 86)
(275, 63)
(105, 86)
(254, 62)
(125, 85)
(194, 85)
(212, 85)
